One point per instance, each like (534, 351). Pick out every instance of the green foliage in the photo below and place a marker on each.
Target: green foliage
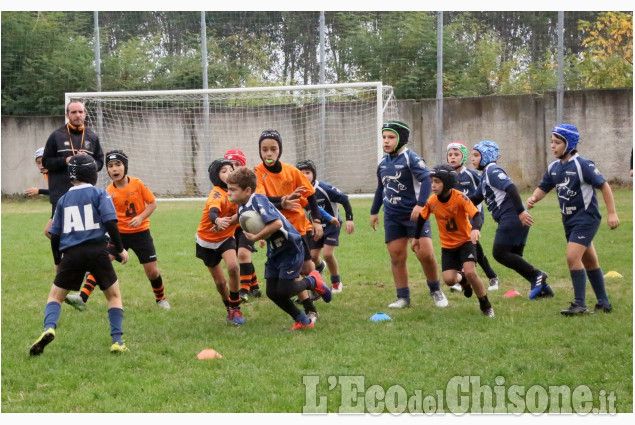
(527, 343)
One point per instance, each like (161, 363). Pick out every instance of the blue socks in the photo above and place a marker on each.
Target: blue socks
(434, 286)
(578, 278)
(403, 293)
(597, 283)
(335, 279)
(115, 316)
(52, 314)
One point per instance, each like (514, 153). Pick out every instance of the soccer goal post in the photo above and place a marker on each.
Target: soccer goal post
(171, 136)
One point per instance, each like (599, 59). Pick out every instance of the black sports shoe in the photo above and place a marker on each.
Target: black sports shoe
(575, 310)
(467, 290)
(244, 295)
(256, 292)
(603, 308)
(546, 292)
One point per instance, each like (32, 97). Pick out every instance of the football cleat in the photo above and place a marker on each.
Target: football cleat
(337, 288)
(540, 280)
(235, 316)
(575, 310)
(489, 312)
(164, 304)
(603, 308)
(400, 303)
(493, 284)
(45, 339)
(244, 295)
(76, 301)
(320, 287)
(118, 347)
(456, 288)
(546, 292)
(439, 298)
(313, 315)
(298, 326)
(256, 292)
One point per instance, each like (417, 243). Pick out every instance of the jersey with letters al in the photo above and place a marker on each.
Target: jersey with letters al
(401, 177)
(131, 201)
(467, 181)
(282, 184)
(575, 182)
(80, 215)
(452, 218)
(285, 239)
(494, 181)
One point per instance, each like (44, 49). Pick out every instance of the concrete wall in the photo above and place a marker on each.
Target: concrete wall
(519, 124)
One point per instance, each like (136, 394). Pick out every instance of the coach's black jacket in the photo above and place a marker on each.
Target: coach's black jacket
(58, 148)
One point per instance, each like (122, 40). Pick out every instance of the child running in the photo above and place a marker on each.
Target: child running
(503, 201)
(403, 185)
(467, 181)
(78, 237)
(328, 196)
(453, 211)
(248, 279)
(134, 204)
(215, 239)
(285, 253)
(283, 184)
(575, 179)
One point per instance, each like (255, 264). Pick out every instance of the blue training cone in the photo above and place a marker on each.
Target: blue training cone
(380, 317)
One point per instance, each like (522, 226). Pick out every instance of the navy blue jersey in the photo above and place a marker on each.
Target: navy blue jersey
(284, 240)
(80, 215)
(467, 181)
(404, 181)
(494, 181)
(575, 182)
(327, 197)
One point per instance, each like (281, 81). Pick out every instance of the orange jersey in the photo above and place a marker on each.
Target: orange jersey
(452, 218)
(284, 183)
(131, 201)
(218, 199)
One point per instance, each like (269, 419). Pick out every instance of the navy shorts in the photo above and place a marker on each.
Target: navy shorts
(397, 228)
(142, 245)
(331, 237)
(510, 231)
(82, 258)
(212, 257)
(242, 241)
(453, 259)
(582, 235)
(285, 265)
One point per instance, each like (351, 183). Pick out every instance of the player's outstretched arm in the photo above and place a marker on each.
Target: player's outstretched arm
(612, 220)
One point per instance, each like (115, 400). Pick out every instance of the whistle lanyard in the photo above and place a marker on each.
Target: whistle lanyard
(70, 139)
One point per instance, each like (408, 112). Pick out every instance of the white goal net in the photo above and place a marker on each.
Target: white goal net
(171, 137)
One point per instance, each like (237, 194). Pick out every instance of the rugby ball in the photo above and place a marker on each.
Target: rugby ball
(251, 221)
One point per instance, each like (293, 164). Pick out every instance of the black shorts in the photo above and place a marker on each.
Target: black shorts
(82, 258)
(242, 241)
(331, 237)
(306, 244)
(142, 245)
(212, 257)
(453, 259)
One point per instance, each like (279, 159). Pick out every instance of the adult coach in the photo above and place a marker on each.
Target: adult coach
(70, 139)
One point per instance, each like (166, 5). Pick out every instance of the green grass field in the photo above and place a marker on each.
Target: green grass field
(528, 343)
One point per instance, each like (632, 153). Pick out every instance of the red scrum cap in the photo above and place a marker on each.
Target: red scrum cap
(236, 155)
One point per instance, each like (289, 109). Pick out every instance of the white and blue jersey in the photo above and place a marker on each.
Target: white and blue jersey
(467, 182)
(80, 215)
(494, 182)
(328, 196)
(575, 182)
(285, 239)
(403, 181)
